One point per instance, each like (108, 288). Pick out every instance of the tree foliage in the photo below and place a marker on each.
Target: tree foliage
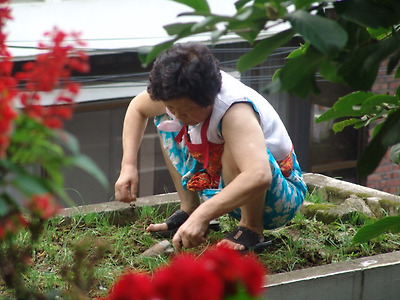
(344, 41)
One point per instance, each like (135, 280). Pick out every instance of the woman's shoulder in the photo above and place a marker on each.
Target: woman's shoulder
(147, 106)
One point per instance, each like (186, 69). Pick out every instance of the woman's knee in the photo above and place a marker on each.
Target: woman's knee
(229, 168)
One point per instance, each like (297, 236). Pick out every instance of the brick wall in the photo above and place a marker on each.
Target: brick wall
(386, 177)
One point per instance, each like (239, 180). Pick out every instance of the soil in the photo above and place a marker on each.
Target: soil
(305, 243)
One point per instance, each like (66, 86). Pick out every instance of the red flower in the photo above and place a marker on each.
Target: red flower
(52, 70)
(42, 206)
(132, 286)
(2, 233)
(236, 270)
(187, 279)
(49, 68)
(54, 115)
(252, 274)
(7, 113)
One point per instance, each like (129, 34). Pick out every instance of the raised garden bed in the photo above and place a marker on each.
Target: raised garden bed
(308, 257)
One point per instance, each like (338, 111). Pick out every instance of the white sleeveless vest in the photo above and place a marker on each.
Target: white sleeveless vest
(233, 91)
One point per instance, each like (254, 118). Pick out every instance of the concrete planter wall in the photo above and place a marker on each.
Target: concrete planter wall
(369, 278)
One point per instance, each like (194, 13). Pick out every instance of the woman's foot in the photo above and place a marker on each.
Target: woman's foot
(243, 239)
(157, 227)
(170, 226)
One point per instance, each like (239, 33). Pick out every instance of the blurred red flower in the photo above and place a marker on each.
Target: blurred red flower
(132, 286)
(218, 274)
(52, 70)
(11, 224)
(187, 278)
(236, 270)
(43, 206)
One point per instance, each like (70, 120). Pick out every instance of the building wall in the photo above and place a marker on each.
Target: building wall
(386, 177)
(98, 127)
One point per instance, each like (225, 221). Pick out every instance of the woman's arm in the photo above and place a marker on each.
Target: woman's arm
(139, 110)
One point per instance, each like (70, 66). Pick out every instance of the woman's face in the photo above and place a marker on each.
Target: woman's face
(188, 111)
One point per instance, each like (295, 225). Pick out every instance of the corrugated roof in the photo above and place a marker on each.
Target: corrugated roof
(106, 25)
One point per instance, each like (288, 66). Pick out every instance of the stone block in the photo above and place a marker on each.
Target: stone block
(375, 206)
(357, 204)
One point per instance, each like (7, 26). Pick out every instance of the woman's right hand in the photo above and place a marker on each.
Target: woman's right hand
(140, 109)
(126, 186)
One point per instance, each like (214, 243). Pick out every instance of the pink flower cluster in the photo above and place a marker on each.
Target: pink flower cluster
(217, 274)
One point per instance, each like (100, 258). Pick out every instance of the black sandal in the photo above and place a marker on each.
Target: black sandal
(249, 239)
(175, 221)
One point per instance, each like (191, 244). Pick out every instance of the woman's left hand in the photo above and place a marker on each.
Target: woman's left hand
(191, 234)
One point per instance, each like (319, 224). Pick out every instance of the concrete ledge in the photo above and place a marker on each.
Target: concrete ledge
(334, 190)
(123, 213)
(369, 278)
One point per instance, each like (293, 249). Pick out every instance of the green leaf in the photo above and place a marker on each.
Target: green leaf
(244, 14)
(208, 24)
(376, 129)
(347, 106)
(198, 5)
(373, 14)
(354, 71)
(299, 51)
(360, 67)
(298, 74)
(329, 71)
(176, 28)
(393, 61)
(247, 25)
(7, 204)
(148, 54)
(303, 3)
(397, 75)
(241, 294)
(395, 154)
(369, 120)
(383, 50)
(381, 226)
(339, 126)
(379, 33)
(241, 3)
(216, 34)
(262, 50)
(373, 104)
(388, 135)
(67, 140)
(87, 164)
(324, 34)
(30, 185)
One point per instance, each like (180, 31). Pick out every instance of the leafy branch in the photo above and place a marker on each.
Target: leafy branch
(344, 41)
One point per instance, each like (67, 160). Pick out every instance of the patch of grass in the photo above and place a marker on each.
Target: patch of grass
(315, 197)
(106, 250)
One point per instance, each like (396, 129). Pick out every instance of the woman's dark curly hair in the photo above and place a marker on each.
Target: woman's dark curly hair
(186, 70)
